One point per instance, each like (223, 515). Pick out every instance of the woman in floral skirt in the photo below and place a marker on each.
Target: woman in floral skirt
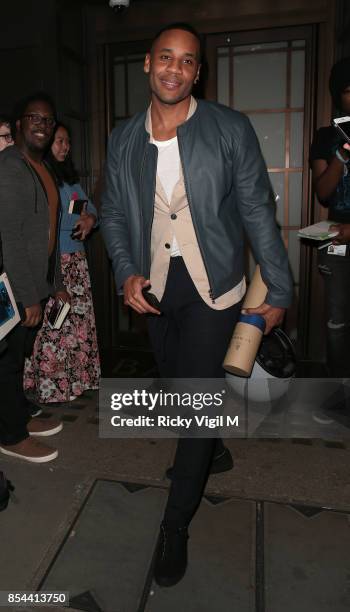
(65, 362)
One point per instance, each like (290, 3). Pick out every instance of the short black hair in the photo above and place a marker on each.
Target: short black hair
(339, 80)
(65, 171)
(186, 27)
(7, 120)
(38, 96)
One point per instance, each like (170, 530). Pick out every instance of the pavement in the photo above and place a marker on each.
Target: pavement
(271, 535)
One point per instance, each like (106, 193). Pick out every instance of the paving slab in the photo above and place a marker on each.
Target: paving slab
(105, 560)
(307, 562)
(221, 570)
(45, 502)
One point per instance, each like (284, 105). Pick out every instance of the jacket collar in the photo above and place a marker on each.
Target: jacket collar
(148, 122)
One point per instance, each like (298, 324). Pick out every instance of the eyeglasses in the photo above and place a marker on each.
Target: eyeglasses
(37, 119)
(8, 137)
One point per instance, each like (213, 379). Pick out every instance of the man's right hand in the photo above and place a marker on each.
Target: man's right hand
(133, 294)
(33, 316)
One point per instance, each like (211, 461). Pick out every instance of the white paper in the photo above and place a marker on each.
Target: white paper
(318, 231)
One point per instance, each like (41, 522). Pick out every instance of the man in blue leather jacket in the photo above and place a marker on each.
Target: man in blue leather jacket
(183, 180)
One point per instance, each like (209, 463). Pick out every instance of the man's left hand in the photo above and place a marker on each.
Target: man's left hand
(63, 295)
(272, 314)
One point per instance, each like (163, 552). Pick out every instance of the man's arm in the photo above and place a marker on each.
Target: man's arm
(115, 232)
(14, 199)
(258, 216)
(114, 225)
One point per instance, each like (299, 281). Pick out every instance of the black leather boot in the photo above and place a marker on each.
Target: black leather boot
(171, 555)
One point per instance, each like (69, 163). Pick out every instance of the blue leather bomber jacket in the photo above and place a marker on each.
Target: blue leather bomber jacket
(228, 191)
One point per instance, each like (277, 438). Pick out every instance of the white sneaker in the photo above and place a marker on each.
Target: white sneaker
(43, 427)
(30, 450)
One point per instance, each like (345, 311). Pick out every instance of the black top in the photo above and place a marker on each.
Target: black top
(324, 146)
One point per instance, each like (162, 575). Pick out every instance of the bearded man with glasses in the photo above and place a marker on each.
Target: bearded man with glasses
(6, 138)
(29, 221)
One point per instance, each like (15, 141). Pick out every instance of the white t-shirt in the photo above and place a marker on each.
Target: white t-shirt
(168, 171)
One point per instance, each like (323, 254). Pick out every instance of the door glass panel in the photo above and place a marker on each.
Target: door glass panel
(138, 88)
(296, 140)
(119, 90)
(295, 197)
(277, 183)
(259, 81)
(270, 130)
(259, 46)
(297, 79)
(223, 80)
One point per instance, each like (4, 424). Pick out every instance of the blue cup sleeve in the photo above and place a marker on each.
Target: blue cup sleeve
(253, 319)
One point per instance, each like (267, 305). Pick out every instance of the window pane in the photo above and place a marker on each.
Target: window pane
(119, 90)
(294, 254)
(223, 80)
(138, 88)
(258, 46)
(297, 78)
(277, 183)
(223, 51)
(298, 43)
(295, 197)
(270, 131)
(296, 140)
(259, 81)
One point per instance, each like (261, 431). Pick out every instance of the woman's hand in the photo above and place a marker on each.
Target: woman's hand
(84, 226)
(62, 295)
(343, 236)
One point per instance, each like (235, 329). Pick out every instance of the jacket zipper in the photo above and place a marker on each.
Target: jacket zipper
(211, 293)
(141, 211)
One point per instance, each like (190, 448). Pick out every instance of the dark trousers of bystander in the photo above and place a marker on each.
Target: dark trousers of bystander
(189, 340)
(335, 270)
(14, 414)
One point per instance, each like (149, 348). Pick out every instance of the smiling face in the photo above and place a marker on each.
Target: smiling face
(173, 66)
(61, 144)
(36, 127)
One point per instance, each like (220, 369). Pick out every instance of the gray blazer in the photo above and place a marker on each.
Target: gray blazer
(24, 226)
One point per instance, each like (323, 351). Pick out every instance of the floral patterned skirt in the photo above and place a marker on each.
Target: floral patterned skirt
(65, 362)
